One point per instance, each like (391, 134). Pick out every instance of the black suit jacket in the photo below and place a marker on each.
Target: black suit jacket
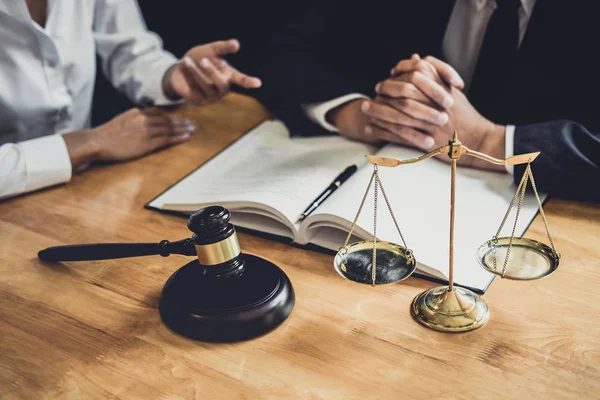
(552, 94)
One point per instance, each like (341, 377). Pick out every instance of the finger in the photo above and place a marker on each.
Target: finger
(221, 48)
(179, 138)
(429, 87)
(446, 72)
(222, 65)
(400, 89)
(240, 79)
(182, 126)
(160, 142)
(402, 134)
(386, 113)
(170, 130)
(199, 80)
(376, 133)
(418, 110)
(164, 121)
(430, 65)
(219, 79)
(414, 64)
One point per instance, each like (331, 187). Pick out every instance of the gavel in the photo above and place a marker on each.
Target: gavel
(222, 296)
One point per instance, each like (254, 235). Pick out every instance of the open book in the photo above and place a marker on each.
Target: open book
(267, 179)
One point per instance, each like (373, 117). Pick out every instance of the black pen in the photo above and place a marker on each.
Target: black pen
(337, 182)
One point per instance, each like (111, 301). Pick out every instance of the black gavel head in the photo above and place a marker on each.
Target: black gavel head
(216, 242)
(211, 224)
(224, 295)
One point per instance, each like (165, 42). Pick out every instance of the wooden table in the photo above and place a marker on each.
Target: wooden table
(91, 330)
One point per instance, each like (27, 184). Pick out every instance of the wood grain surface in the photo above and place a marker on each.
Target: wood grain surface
(91, 330)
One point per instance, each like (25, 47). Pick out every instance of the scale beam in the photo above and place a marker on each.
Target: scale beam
(394, 162)
(514, 160)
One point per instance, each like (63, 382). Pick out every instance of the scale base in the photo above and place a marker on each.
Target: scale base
(459, 310)
(201, 307)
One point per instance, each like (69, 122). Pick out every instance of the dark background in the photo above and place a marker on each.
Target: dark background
(183, 24)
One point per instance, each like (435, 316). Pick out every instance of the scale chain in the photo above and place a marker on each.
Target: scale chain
(392, 213)
(537, 197)
(523, 189)
(511, 205)
(512, 202)
(512, 234)
(374, 264)
(362, 203)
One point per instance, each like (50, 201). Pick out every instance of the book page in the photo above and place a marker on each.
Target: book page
(267, 169)
(420, 198)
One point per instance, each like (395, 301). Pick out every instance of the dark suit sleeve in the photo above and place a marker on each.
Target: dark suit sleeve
(569, 164)
(300, 67)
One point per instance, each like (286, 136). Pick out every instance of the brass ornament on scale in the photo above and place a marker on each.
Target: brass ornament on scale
(375, 262)
(450, 308)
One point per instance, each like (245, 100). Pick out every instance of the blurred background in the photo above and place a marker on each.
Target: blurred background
(183, 24)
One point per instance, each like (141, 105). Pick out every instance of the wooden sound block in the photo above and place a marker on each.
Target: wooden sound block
(197, 305)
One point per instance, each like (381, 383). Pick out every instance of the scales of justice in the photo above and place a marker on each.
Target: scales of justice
(448, 308)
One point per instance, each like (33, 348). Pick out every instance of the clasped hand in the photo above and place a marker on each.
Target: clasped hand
(421, 104)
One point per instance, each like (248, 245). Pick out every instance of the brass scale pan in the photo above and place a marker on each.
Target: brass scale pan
(528, 260)
(355, 262)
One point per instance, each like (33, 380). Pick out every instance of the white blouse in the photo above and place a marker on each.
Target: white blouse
(47, 80)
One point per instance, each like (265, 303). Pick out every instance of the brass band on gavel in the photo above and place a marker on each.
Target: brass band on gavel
(220, 252)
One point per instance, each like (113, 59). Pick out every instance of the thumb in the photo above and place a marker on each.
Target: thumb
(223, 47)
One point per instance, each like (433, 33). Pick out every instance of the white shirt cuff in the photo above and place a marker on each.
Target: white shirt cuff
(317, 111)
(47, 162)
(510, 145)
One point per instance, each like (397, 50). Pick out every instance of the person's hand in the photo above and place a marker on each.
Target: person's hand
(405, 105)
(203, 76)
(129, 135)
(431, 80)
(136, 133)
(350, 121)
(411, 102)
(474, 131)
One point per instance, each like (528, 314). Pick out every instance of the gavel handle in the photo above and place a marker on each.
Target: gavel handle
(107, 251)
